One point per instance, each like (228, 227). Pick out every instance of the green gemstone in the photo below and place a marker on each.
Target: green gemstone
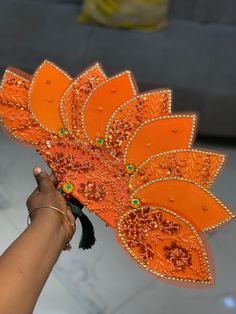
(135, 201)
(99, 140)
(68, 186)
(62, 131)
(130, 167)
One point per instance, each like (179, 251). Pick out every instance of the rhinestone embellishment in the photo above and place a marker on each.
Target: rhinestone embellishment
(62, 132)
(99, 142)
(130, 168)
(68, 187)
(135, 203)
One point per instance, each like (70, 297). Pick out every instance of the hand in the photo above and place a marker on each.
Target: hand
(47, 195)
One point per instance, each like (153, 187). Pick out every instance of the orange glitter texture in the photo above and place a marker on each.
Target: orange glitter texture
(126, 157)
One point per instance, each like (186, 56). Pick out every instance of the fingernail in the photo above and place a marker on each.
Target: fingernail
(37, 170)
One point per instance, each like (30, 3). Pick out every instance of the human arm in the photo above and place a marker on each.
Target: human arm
(27, 263)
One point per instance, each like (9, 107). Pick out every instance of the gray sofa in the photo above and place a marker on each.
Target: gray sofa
(195, 55)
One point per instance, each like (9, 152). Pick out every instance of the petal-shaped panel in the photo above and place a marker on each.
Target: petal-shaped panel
(197, 165)
(165, 244)
(159, 135)
(186, 198)
(103, 101)
(48, 85)
(75, 96)
(14, 112)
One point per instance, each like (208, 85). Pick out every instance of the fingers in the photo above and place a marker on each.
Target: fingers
(53, 179)
(44, 182)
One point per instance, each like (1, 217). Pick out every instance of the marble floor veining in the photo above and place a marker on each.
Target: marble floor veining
(104, 280)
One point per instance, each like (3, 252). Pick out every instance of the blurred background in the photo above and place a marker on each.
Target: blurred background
(186, 45)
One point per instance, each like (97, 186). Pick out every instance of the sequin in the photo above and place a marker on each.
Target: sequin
(92, 191)
(178, 256)
(119, 131)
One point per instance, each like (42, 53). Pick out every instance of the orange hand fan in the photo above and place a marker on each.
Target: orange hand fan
(124, 156)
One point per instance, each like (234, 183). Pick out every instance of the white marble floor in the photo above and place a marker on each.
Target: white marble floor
(104, 280)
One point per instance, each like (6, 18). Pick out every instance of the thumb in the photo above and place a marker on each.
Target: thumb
(43, 180)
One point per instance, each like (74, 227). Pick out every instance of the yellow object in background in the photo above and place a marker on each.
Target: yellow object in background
(135, 14)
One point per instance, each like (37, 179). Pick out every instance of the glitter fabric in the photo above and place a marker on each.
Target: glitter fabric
(126, 157)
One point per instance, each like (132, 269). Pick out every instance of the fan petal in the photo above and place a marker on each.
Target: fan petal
(165, 244)
(48, 85)
(75, 96)
(197, 165)
(14, 113)
(15, 82)
(130, 115)
(159, 135)
(103, 101)
(186, 198)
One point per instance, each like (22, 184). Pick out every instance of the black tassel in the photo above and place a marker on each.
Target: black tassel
(87, 239)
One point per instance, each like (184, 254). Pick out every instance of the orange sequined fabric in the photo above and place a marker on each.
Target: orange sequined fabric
(126, 157)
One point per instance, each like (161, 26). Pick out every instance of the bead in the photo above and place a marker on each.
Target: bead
(92, 191)
(119, 131)
(100, 108)
(145, 179)
(148, 145)
(178, 256)
(141, 172)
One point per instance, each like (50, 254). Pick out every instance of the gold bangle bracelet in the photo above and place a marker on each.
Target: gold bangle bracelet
(72, 225)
